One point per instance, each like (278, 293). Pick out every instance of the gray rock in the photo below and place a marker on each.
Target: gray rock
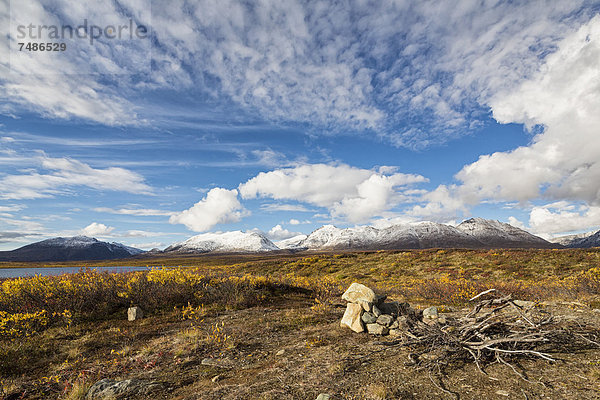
(110, 388)
(369, 318)
(324, 396)
(385, 320)
(376, 329)
(134, 313)
(430, 313)
(395, 332)
(376, 311)
(357, 292)
(351, 318)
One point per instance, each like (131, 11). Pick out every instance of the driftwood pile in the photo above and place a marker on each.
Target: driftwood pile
(497, 329)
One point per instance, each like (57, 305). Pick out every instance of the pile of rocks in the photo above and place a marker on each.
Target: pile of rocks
(367, 311)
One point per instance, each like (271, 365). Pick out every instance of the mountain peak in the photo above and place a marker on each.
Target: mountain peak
(225, 242)
(75, 248)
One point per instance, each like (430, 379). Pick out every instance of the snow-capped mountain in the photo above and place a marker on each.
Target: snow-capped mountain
(293, 243)
(498, 234)
(474, 233)
(405, 236)
(227, 242)
(582, 240)
(76, 248)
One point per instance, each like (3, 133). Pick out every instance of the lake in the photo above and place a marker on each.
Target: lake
(25, 272)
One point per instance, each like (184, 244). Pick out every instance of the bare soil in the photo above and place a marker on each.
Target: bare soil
(286, 350)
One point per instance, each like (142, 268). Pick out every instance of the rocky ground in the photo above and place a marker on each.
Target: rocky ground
(291, 349)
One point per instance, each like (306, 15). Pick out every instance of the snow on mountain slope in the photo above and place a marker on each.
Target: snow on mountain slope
(77, 248)
(330, 237)
(473, 233)
(292, 243)
(498, 234)
(567, 240)
(404, 236)
(226, 242)
(431, 234)
(582, 240)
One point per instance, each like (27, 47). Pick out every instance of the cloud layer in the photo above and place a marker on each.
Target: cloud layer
(413, 72)
(63, 174)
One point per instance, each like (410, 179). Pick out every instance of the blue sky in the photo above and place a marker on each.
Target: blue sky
(283, 116)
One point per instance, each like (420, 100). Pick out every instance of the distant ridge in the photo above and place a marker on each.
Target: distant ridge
(583, 240)
(474, 233)
(76, 248)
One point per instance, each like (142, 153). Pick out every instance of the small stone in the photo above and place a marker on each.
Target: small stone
(357, 292)
(134, 313)
(395, 332)
(351, 318)
(376, 311)
(395, 325)
(280, 352)
(385, 320)
(324, 396)
(216, 378)
(366, 305)
(376, 329)
(430, 313)
(369, 318)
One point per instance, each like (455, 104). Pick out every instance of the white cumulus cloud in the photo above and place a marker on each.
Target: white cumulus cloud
(96, 229)
(563, 161)
(348, 192)
(563, 217)
(218, 207)
(279, 233)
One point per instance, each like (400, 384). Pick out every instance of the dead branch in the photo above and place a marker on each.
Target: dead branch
(495, 330)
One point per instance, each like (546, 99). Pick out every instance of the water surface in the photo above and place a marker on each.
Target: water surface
(45, 271)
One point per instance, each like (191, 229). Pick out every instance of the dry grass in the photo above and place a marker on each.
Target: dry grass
(245, 311)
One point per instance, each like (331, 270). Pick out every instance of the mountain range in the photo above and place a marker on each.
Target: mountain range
(474, 233)
(582, 240)
(77, 248)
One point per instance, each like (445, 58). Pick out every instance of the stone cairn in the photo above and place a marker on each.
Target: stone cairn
(367, 311)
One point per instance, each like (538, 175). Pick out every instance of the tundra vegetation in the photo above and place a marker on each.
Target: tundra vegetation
(267, 326)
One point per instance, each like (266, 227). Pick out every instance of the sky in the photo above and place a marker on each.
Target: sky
(283, 115)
